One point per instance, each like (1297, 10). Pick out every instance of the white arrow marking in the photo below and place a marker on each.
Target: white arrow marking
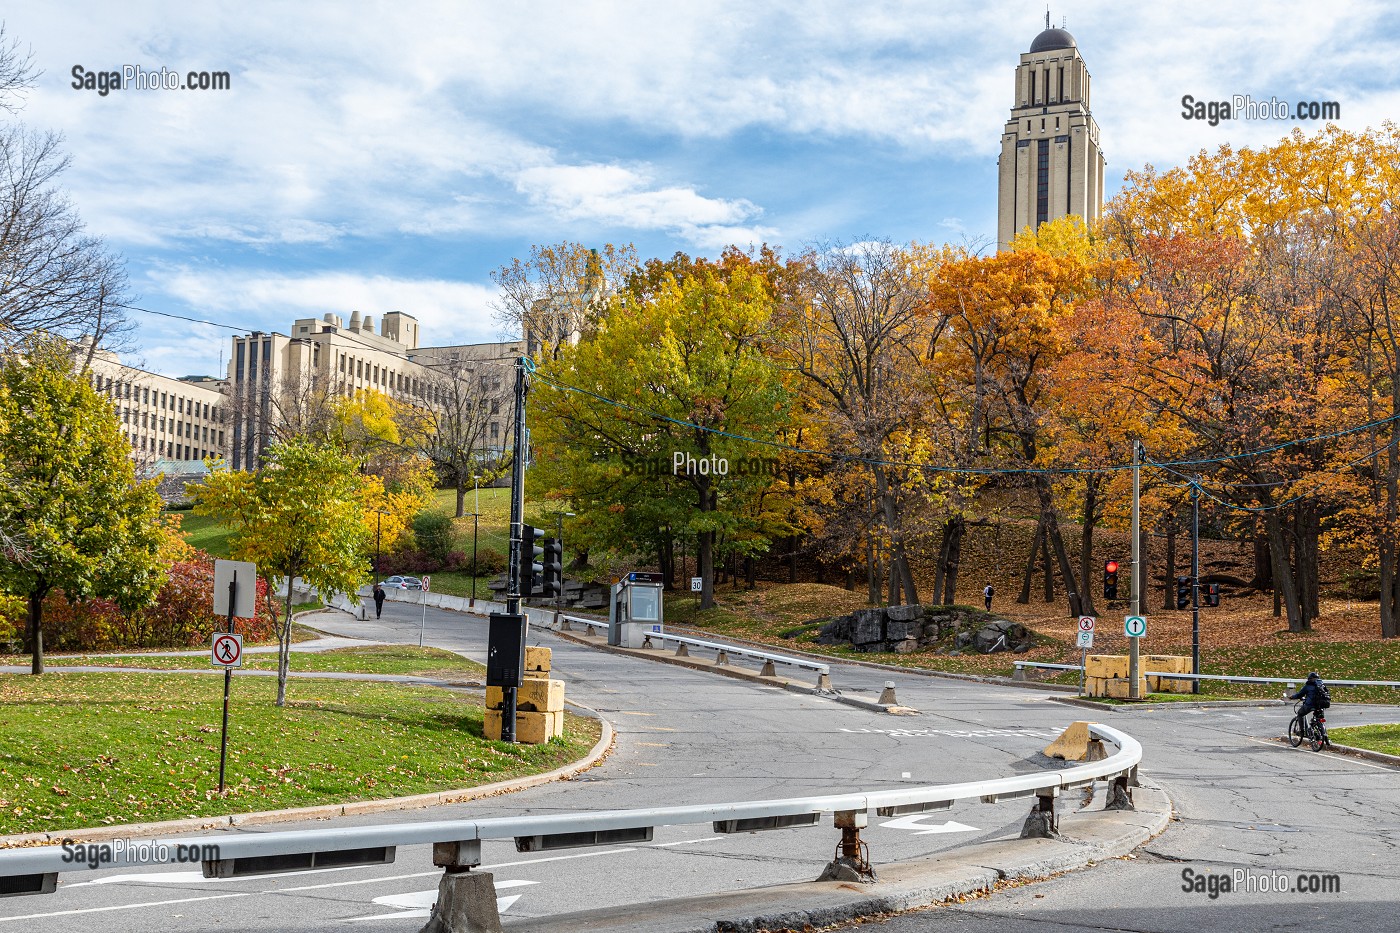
(927, 829)
(420, 903)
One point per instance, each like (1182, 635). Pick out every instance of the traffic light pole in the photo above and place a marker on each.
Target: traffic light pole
(1196, 583)
(518, 567)
(1133, 658)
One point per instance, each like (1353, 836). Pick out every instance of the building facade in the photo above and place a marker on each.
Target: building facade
(276, 380)
(1051, 165)
(173, 424)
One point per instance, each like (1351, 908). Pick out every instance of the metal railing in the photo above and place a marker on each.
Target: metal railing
(1227, 678)
(723, 652)
(34, 870)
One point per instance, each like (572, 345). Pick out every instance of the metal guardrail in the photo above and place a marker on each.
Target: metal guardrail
(1227, 678)
(34, 870)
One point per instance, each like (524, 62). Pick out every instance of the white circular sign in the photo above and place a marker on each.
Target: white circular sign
(1135, 626)
(1086, 623)
(227, 650)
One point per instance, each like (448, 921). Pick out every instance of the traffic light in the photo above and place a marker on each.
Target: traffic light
(1110, 579)
(1183, 592)
(531, 552)
(553, 567)
(1212, 594)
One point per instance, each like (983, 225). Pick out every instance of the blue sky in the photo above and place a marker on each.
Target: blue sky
(389, 156)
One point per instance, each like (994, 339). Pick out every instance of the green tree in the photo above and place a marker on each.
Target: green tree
(300, 515)
(691, 351)
(74, 513)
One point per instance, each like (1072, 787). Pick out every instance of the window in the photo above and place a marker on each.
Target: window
(1042, 182)
(495, 406)
(495, 430)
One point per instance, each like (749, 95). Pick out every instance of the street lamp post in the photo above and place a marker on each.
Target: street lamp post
(476, 519)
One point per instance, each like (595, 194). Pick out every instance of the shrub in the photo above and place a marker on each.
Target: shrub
(435, 535)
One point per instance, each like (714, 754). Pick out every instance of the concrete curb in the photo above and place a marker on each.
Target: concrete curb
(1087, 836)
(1353, 751)
(600, 750)
(1172, 704)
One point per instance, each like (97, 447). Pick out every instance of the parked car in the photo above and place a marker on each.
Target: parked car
(403, 583)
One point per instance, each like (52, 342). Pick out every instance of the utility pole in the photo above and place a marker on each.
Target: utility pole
(476, 519)
(1133, 660)
(1196, 583)
(518, 565)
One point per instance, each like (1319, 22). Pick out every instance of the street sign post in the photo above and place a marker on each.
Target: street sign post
(227, 650)
(235, 596)
(1084, 642)
(1135, 626)
(423, 598)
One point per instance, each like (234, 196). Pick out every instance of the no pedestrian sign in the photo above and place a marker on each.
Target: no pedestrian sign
(227, 650)
(1086, 623)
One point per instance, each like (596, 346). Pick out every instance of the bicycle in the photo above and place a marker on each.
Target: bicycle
(1315, 730)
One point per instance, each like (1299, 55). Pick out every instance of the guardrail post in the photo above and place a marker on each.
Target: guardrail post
(722, 659)
(887, 695)
(564, 625)
(852, 860)
(1120, 794)
(681, 650)
(1043, 822)
(466, 899)
(768, 669)
(646, 641)
(1019, 673)
(823, 681)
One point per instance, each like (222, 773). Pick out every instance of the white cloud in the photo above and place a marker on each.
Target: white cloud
(450, 312)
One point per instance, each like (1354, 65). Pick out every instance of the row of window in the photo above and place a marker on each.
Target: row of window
(145, 395)
(150, 422)
(1046, 85)
(171, 450)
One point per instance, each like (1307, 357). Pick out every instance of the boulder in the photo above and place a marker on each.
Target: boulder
(867, 626)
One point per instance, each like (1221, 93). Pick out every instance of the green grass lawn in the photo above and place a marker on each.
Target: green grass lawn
(1384, 739)
(206, 533)
(82, 750)
(369, 659)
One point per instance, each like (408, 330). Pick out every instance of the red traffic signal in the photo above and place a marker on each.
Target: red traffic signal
(1110, 566)
(1110, 579)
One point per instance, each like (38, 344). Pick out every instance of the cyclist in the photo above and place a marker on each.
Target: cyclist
(1313, 699)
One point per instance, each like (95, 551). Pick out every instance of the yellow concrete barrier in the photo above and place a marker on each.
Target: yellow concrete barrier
(1072, 745)
(536, 696)
(530, 728)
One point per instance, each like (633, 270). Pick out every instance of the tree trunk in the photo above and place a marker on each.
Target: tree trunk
(284, 647)
(750, 580)
(1025, 595)
(461, 497)
(1047, 566)
(1263, 567)
(1169, 574)
(36, 630)
(792, 561)
(1086, 546)
(872, 575)
(953, 560)
(666, 560)
(1052, 535)
(1284, 586)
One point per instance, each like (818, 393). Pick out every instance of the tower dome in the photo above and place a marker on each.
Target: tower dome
(1051, 39)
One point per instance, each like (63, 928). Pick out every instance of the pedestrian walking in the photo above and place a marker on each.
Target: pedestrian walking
(379, 600)
(987, 596)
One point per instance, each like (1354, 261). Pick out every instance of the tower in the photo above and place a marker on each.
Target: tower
(1050, 163)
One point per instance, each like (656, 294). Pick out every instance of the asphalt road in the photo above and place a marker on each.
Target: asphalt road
(691, 737)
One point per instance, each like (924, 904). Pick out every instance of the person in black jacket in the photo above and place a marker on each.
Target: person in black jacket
(378, 600)
(1309, 696)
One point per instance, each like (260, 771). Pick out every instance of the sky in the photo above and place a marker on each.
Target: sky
(388, 156)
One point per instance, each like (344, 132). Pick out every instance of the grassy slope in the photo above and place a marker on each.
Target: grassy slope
(1384, 739)
(87, 749)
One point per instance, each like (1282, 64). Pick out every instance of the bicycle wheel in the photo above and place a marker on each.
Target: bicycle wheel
(1295, 732)
(1317, 736)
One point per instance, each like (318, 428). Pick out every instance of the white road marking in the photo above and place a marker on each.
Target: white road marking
(684, 842)
(417, 904)
(927, 829)
(99, 910)
(988, 733)
(183, 877)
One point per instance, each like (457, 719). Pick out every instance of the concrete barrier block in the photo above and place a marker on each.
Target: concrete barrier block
(537, 660)
(531, 728)
(533, 695)
(1106, 665)
(1073, 743)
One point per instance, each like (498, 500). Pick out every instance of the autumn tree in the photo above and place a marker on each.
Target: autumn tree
(77, 518)
(558, 292)
(300, 515)
(672, 375)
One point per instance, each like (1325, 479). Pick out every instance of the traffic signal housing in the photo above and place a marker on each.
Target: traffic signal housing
(532, 542)
(1183, 592)
(553, 564)
(1212, 594)
(1110, 579)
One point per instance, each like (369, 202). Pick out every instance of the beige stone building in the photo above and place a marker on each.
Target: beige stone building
(268, 372)
(1050, 165)
(172, 424)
